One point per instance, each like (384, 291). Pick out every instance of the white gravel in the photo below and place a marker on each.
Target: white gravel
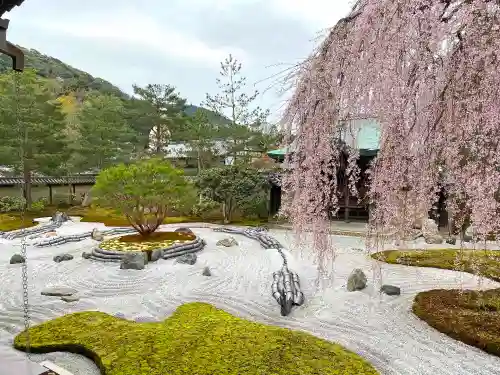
(380, 328)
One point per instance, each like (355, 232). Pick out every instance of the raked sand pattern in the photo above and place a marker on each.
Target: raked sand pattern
(381, 329)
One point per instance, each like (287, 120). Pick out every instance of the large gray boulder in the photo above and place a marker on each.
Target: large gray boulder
(133, 261)
(62, 258)
(227, 242)
(16, 259)
(187, 259)
(60, 217)
(155, 255)
(356, 281)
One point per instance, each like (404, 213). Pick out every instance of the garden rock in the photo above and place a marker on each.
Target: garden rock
(97, 235)
(155, 255)
(469, 234)
(435, 239)
(58, 292)
(62, 257)
(187, 259)
(390, 290)
(227, 242)
(451, 240)
(70, 298)
(16, 259)
(430, 230)
(120, 315)
(87, 199)
(133, 261)
(86, 255)
(184, 230)
(206, 272)
(60, 217)
(356, 281)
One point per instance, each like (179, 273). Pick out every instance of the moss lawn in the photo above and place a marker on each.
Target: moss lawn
(470, 316)
(198, 339)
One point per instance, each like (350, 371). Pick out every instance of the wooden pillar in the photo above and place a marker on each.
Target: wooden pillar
(50, 195)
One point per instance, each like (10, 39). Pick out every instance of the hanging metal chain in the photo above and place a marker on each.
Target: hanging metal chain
(26, 306)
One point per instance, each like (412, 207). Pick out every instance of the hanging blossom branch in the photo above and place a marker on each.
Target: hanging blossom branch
(428, 71)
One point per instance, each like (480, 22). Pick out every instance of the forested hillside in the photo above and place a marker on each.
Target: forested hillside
(76, 80)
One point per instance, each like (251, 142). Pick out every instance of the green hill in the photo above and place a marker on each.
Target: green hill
(73, 79)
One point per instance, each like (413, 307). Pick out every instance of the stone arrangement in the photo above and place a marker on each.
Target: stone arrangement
(138, 260)
(286, 285)
(55, 222)
(82, 236)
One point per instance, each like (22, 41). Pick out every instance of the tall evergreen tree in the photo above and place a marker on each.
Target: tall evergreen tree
(105, 137)
(31, 126)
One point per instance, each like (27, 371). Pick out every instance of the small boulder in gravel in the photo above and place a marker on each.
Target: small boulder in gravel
(434, 239)
(187, 259)
(16, 259)
(451, 240)
(390, 290)
(62, 258)
(70, 298)
(86, 255)
(227, 242)
(155, 255)
(356, 281)
(133, 261)
(184, 230)
(97, 235)
(206, 272)
(58, 291)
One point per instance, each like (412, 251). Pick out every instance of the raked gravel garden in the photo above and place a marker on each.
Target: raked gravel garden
(379, 328)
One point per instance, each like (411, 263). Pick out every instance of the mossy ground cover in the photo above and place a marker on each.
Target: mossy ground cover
(470, 316)
(10, 222)
(157, 240)
(197, 339)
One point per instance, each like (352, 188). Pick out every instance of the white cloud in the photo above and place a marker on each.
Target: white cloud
(128, 27)
(316, 14)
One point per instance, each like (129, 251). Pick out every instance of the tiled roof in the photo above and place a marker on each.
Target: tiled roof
(7, 5)
(77, 179)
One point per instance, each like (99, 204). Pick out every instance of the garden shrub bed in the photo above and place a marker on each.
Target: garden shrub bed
(136, 242)
(470, 316)
(482, 262)
(197, 339)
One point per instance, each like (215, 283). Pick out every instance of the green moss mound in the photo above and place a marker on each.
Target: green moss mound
(478, 262)
(136, 242)
(470, 316)
(197, 339)
(13, 222)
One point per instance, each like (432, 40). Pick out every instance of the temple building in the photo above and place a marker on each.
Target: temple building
(364, 135)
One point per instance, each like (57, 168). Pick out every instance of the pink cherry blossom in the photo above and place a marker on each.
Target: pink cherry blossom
(428, 72)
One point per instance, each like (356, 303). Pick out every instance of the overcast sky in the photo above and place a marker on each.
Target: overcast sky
(177, 42)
